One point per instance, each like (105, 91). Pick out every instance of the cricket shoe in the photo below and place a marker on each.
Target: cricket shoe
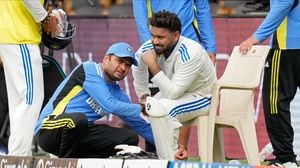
(290, 165)
(277, 163)
(3, 150)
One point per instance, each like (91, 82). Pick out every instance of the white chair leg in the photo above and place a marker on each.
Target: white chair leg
(202, 138)
(218, 148)
(249, 140)
(210, 141)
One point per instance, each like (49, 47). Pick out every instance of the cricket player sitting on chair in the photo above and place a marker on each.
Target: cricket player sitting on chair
(184, 74)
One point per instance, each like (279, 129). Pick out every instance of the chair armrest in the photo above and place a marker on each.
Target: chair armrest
(233, 86)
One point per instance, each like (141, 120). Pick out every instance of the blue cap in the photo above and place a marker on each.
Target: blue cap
(122, 49)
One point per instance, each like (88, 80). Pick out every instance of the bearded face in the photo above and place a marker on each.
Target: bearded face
(163, 40)
(116, 68)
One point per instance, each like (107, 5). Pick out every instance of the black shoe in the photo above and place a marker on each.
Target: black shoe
(275, 163)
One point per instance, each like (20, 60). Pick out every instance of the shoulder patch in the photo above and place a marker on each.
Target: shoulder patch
(137, 55)
(99, 69)
(184, 55)
(146, 46)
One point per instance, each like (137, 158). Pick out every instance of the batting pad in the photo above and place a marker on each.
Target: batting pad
(154, 108)
(165, 129)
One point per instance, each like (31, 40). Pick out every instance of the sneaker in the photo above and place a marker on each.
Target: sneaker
(275, 163)
(290, 165)
(3, 150)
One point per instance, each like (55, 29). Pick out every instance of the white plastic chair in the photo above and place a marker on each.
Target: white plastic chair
(234, 94)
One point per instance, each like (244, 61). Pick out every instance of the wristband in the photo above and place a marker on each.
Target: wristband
(142, 97)
(142, 107)
(47, 19)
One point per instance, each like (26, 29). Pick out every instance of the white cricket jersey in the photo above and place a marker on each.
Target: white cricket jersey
(187, 70)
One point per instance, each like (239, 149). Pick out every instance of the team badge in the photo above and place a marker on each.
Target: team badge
(129, 49)
(148, 106)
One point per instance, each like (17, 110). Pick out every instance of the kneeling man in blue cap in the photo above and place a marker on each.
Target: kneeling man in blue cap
(66, 125)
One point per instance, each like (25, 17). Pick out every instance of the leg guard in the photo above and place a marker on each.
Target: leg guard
(165, 129)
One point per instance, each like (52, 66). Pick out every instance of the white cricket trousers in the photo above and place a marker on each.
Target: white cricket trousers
(166, 117)
(25, 90)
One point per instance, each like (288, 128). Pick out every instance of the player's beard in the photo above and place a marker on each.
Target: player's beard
(163, 49)
(113, 75)
(159, 49)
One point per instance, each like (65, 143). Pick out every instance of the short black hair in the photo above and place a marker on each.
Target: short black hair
(165, 19)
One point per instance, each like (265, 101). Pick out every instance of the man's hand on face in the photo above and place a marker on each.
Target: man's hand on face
(181, 153)
(150, 57)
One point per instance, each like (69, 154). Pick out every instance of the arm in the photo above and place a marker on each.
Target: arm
(183, 77)
(205, 25)
(136, 123)
(184, 136)
(278, 12)
(96, 87)
(140, 77)
(182, 143)
(41, 15)
(140, 126)
(141, 18)
(36, 9)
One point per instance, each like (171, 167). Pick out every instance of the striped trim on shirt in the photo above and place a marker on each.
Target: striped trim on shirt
(146, 46)
(184, 53)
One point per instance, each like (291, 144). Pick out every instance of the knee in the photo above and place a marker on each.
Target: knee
(80, 120)
(77, 122)
(154, 108)
(132, 138)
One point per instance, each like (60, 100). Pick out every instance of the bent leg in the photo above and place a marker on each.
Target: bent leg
(166, 116)
(165, 129)
(61, 135)
(100, 140)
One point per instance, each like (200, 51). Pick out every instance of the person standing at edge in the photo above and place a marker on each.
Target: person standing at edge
(20, 37)
(281, 75)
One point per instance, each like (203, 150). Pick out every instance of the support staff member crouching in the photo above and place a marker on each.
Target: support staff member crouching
(66, 125)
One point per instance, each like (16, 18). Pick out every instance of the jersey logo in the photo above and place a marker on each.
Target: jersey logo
(184, 55)
(267, 65)
(96, 107)
(129, 49)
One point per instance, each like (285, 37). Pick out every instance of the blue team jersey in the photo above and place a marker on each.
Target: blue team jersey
(86, 90)
(192, 19)
(283, 23)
